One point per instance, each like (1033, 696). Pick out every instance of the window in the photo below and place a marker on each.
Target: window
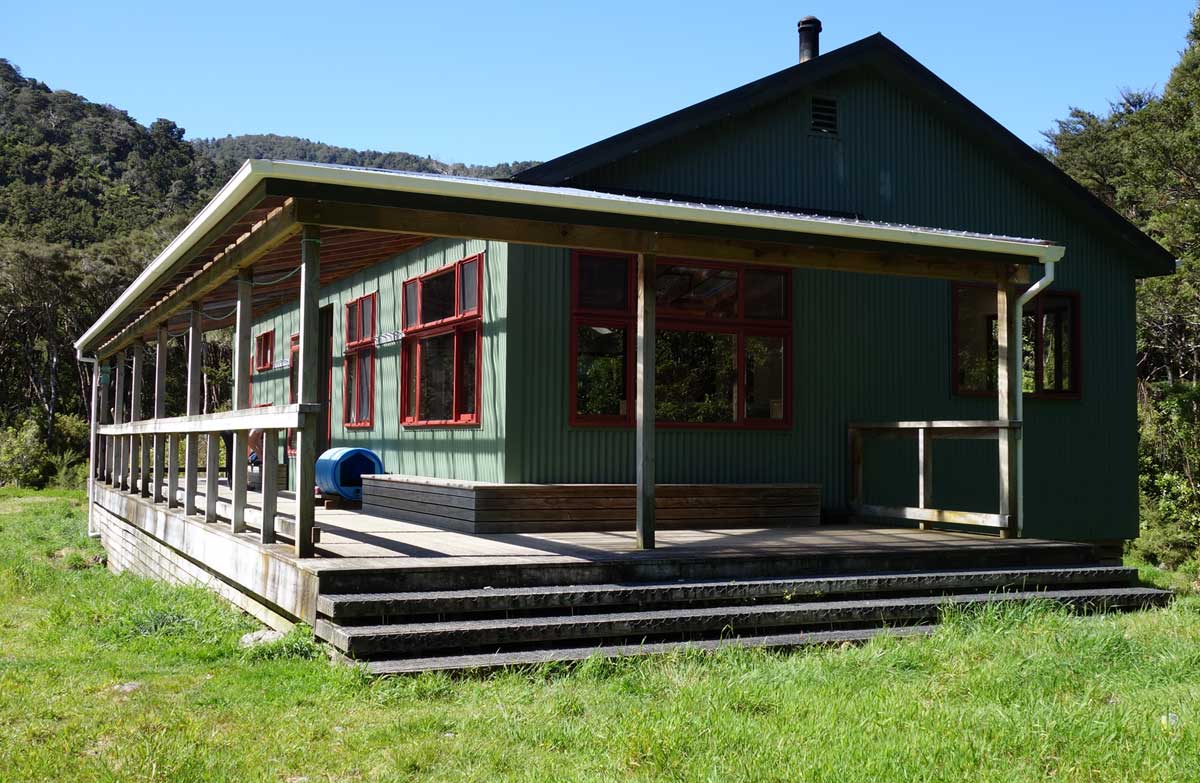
(1049, 356)
(293, 385)
(440, 368)
(358, 364)
(722, 348)
(264, 351)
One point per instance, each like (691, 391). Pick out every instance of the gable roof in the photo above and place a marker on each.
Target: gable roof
(896, 65)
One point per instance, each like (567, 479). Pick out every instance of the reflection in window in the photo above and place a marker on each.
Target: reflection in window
(437, 378)
(603, 282)
(764, 377)
(766, 295)
(695, 377)
(437, 297)
(1049, 342)
(600, 380)
(699, 291)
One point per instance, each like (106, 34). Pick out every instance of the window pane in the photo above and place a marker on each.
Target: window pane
(603, 282)
(352, 322)
(1057, 322)
(350, 370)
(764, 377)
(437, 378)
(437, 297)
(600, 380)
(469, 287)
(695, 377)
(976, 338)
(364, 391)
(368, 318)
(766, 295)
(697, 290)
(410, 304)
(410, 381)
(293, 375)
(467, 344)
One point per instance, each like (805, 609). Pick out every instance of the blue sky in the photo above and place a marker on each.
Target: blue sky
(482, 82)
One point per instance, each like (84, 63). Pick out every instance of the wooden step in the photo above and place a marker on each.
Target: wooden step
(412, 638)
(501, 660)
(407, 604)
(663, 565)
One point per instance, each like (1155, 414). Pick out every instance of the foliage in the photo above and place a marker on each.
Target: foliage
(1143, 158)
(24, 457)
(114, 677)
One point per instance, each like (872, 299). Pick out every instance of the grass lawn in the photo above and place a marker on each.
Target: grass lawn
(108, 677)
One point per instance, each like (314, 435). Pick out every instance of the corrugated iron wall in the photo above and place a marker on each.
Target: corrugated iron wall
(866, 348)
(474, 453)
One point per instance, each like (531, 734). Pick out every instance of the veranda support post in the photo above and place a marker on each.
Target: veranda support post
(191, 459)
(119, 450)
(306, 437)
(1009, 389)
(645, 401)
(160, 408)
(241, 398)
(93, 446)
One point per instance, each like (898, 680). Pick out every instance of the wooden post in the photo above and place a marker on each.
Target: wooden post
(172, 471)
(191, 460)
(119, 418)
(160, 408)
(925, 472)
(94, 447)
(211, 473)
(1009, 383)
(105, 417)
(241, 398)
(854, 445)
(644, 391)
(137, 467)
(270, 484)
(306, 437)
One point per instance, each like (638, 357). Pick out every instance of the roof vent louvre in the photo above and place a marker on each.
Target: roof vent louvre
(824, 117)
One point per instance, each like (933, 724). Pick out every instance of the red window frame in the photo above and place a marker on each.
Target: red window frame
(1039, 348)
(463, 323)
(671, 319)
(264, 351)
(360, 349)
(293, 382)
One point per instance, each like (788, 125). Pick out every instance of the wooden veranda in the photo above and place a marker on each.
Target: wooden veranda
(279, 231)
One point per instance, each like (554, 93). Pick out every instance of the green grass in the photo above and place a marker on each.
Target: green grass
(1025, 695)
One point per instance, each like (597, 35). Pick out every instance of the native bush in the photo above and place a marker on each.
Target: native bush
(24, 456)
(1169, 476)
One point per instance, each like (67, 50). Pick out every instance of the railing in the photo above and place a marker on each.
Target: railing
(925, 433)
(143, 457)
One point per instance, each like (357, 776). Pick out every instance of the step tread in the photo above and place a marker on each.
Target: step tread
(565, 654)
(369, 638)
(338, 605)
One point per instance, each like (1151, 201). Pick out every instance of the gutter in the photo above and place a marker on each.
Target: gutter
(253, 172)
(1018, 327)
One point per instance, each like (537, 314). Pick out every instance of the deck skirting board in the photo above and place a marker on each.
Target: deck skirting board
(151, 541)
(476, 507)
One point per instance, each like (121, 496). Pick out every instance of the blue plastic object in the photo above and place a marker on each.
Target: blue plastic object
(340, 471)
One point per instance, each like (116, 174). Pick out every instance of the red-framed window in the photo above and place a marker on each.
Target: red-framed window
(358, 363)
(293, 385)
(722, 343)
(1050, 356)
(264, 351)
(441, 374)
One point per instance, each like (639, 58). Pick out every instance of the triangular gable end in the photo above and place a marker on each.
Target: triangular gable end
(872, 83)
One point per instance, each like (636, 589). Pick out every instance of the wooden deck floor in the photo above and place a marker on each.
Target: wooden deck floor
(351, 538)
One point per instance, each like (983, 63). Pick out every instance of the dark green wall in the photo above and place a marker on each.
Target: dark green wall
(866, 348)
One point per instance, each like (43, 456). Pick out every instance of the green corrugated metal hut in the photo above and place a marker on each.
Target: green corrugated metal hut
(522, 383)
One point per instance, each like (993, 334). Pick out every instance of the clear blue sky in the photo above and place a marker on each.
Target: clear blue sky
(482, 82)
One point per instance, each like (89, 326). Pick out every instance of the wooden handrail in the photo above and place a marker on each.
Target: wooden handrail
(925, 432)
(273, 417)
